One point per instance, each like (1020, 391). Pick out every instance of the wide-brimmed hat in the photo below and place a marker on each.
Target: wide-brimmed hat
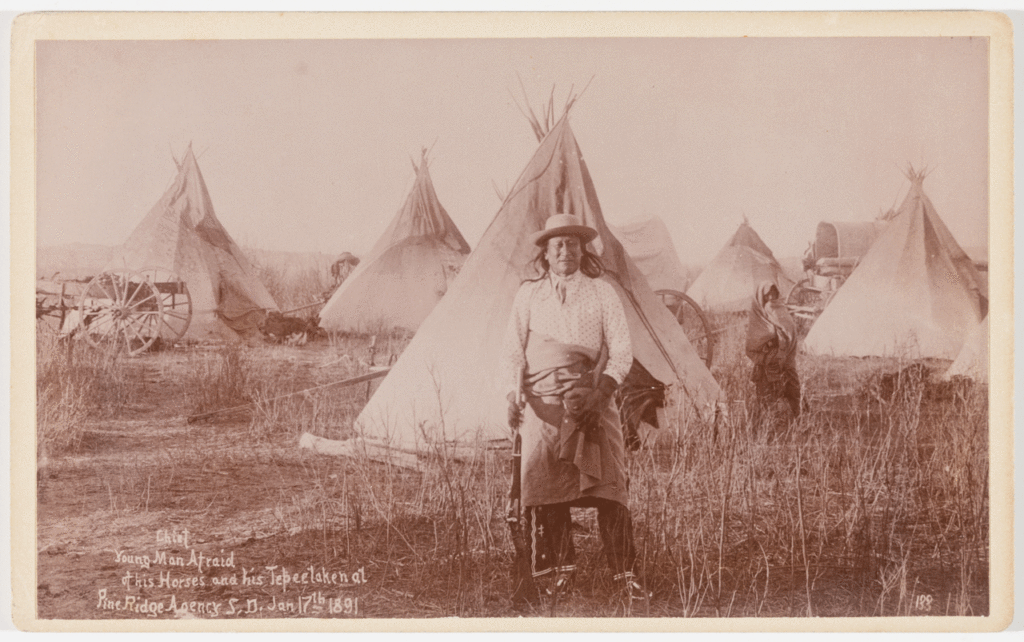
(564, 225)
(348, 257)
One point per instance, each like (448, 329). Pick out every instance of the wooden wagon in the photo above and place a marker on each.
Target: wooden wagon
(837, 249)
(127, 310)
(693, 321)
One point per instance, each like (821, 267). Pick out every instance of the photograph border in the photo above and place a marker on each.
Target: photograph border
(28, 29)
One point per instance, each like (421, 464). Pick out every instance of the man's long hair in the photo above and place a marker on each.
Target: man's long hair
(590, 264)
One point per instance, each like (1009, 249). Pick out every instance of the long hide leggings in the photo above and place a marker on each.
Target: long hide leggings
(550, 543)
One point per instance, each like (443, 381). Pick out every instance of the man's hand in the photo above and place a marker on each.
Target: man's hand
(599, 397)
(586, 404)
(575, 401)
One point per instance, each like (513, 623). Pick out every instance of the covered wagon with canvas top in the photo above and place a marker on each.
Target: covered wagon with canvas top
(829, 260)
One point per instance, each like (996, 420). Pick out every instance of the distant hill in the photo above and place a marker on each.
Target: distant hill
(291, 263)
(79, 261)
(75, 261)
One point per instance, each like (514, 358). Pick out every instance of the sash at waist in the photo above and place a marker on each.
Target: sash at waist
(553, 367)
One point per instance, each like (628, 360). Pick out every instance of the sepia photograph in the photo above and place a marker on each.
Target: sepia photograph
(575, 319)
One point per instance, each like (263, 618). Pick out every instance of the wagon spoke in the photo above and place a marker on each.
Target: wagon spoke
(144, 325)
(153, 321)
(137, 304)
(131, 324)
(168, 325)
(176, 315)
(119, 294)
(123, 334)
(143, 342)
(133, 292)
(101, 326)
(151, 297)
(173, 301)
(107, 293)
(112, 333)
(691, 319)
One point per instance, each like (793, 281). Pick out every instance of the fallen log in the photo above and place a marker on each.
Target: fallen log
(395, 454)
(357, 448)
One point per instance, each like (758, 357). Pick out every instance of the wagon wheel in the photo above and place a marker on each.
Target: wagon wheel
(175, 300)
(805, 303)
(121, 309)
(695, 325)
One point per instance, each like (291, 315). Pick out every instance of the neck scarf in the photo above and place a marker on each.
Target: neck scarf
(560, 283)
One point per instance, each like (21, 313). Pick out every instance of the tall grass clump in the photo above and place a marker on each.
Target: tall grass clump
(280, 395)
(218, 379)
(291, 399)
(75, 383)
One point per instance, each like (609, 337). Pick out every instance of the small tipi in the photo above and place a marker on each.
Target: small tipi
(915, 293)
(446, 385)
(182, 234)
(408, 270)
(650, 246)
(728, 283)
(972, 362)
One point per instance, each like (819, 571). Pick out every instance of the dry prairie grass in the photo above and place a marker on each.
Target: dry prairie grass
(76, 383)
(874, 502)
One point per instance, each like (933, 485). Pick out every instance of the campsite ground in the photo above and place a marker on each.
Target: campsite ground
(873, 503)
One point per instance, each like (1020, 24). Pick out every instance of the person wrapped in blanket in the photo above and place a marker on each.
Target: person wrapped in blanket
(771, 345)
(564, 325)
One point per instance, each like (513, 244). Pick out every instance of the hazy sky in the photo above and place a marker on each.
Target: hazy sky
(305, 145)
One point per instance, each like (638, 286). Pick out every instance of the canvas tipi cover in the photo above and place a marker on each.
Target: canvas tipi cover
(972, 361)
(408, 270)
(650, 246)
(182, 234)
(446, 386)
(728, 283)
(915, 293)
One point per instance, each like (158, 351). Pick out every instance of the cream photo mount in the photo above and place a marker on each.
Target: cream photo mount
(34, 32)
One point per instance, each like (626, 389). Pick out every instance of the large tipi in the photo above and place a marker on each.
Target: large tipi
(446, 385)
(182, 234)
(408, 270)
(915, 293)
(728, 283)
(650, 246)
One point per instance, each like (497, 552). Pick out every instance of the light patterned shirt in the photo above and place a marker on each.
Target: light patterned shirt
(591, 312)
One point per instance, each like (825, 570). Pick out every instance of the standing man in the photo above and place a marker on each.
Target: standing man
(568, 333)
